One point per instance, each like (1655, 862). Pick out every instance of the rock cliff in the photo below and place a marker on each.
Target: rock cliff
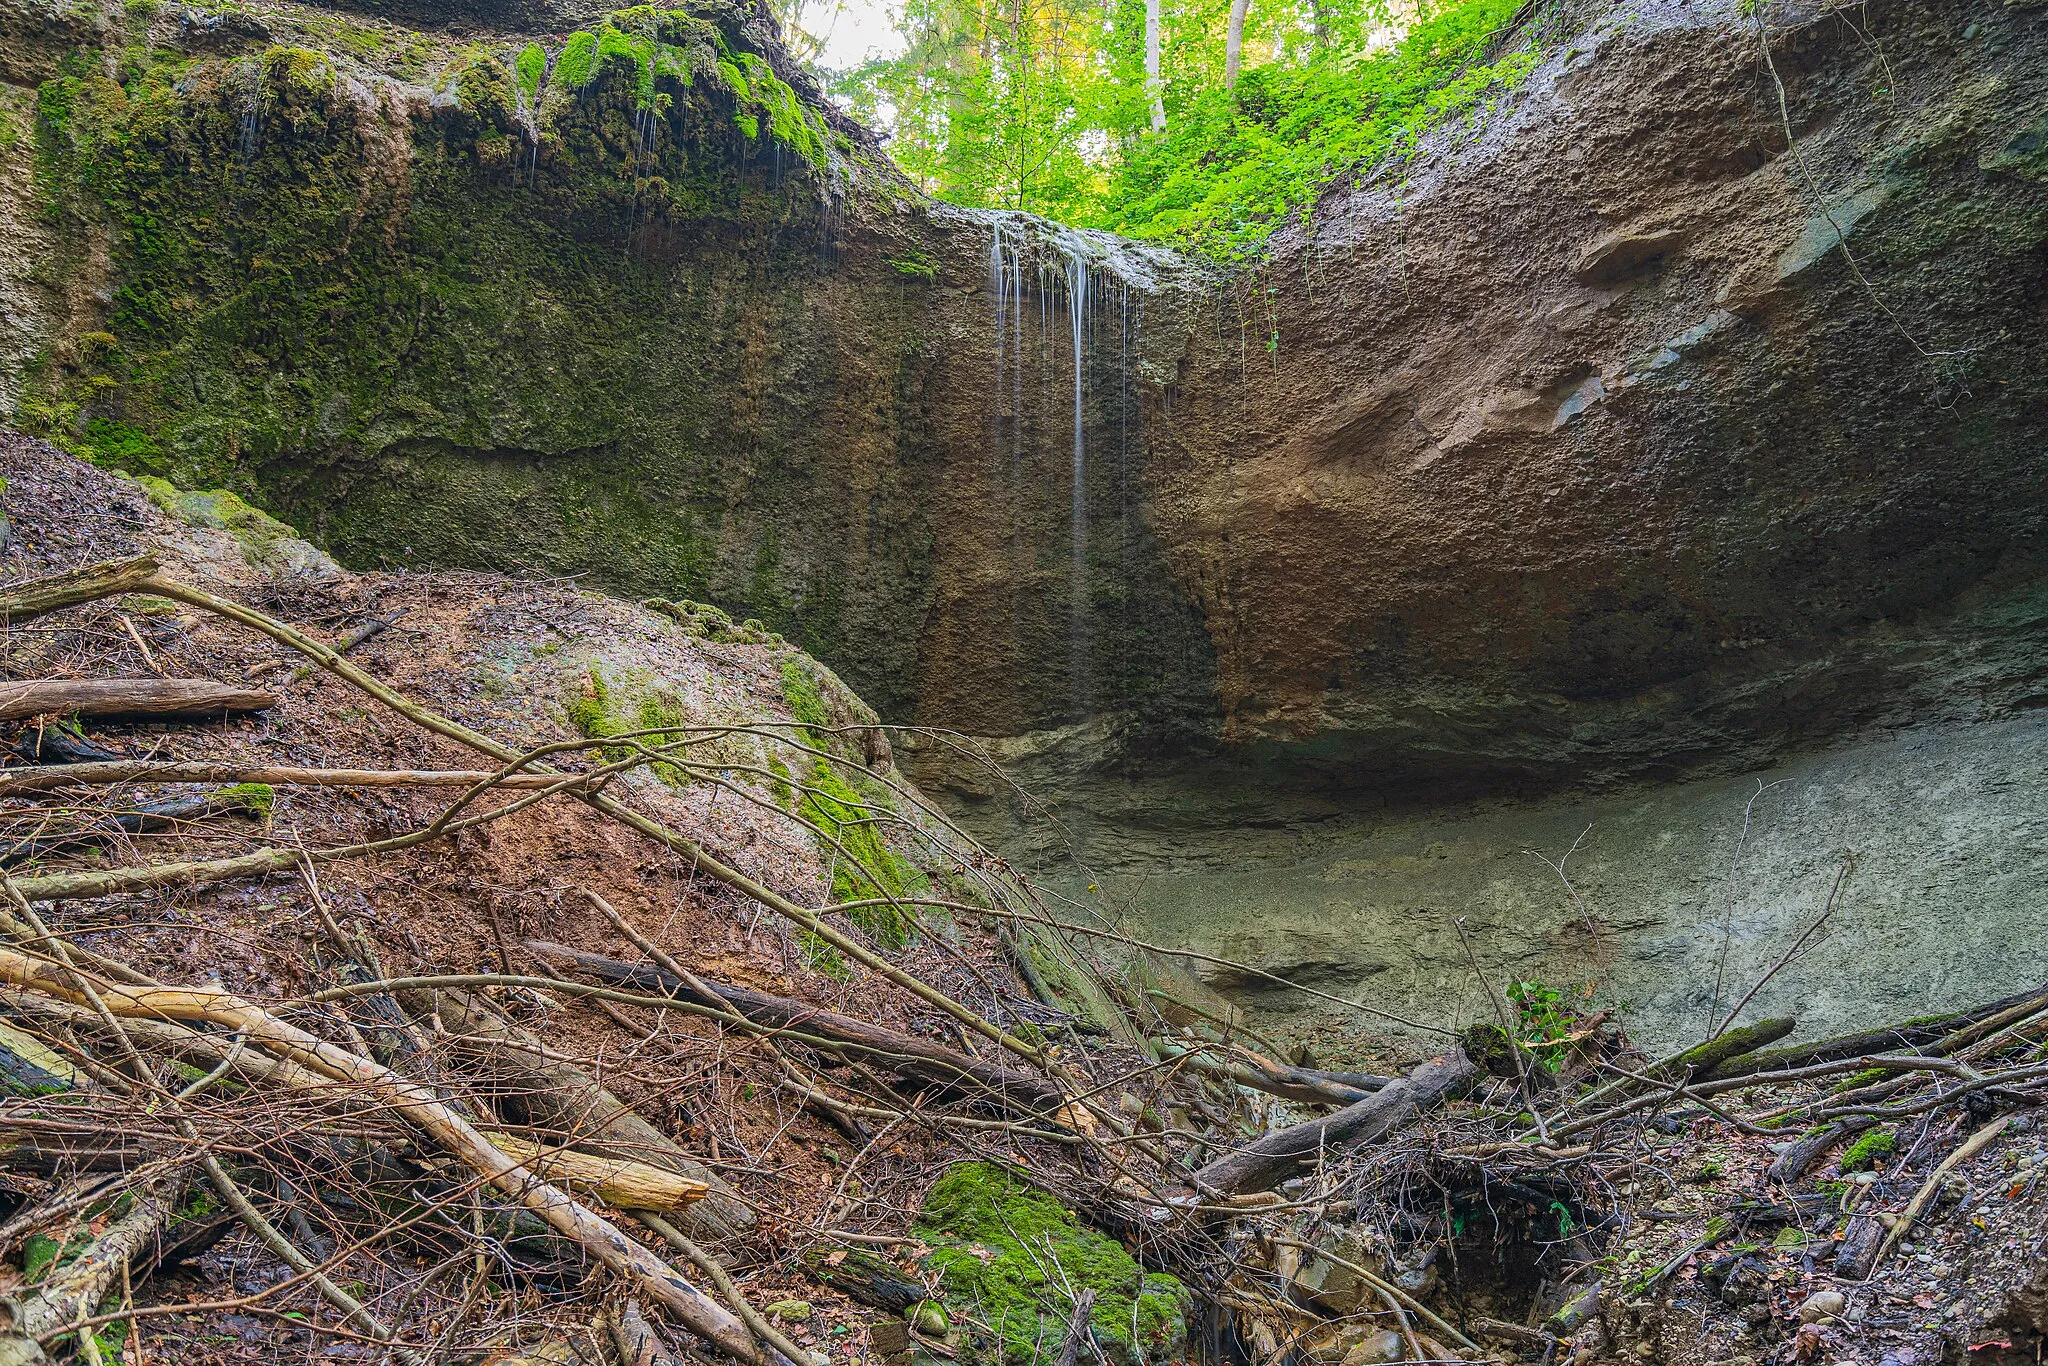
(1679, 416)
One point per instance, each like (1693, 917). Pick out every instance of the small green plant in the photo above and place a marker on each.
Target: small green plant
(915, 267)
(1547, 1019)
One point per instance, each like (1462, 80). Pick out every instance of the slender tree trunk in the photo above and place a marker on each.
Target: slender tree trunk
(1319, 24)
(1233, 42)
(1154, 91)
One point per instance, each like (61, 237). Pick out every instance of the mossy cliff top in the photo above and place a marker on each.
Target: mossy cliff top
(629, 301)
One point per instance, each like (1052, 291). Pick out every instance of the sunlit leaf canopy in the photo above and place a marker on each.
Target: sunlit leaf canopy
(1045, 106)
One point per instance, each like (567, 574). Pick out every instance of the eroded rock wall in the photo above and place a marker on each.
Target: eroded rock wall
(1588, 451)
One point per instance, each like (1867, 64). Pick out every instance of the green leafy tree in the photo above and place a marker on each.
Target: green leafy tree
(1203, 122)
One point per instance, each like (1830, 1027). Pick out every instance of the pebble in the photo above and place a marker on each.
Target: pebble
(1823, 1304)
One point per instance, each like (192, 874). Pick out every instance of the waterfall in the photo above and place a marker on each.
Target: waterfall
(1070, 268)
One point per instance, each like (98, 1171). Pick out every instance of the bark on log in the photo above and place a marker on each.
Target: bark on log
(1272, 1159)
(21, 601)
(143, 820)
(1573, 1314)
(423, 1108)
(1078, 1328)
(865, 1277)
(1735, 1043)
(557, 1095)
(1911, 1034)
(1798, 1159)
(158, 698)
(74, 1290)
(59, 744)
(618, 1181)
(638, 1343)
(1860, 1244)
(18, 783)
(919, 1060)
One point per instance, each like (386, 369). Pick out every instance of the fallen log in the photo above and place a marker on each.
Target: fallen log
(153, 698)
(21, 601)
(1908, 1034)
(865, 1277)
(74, 1290)
(59, 743)
(1279, 1079)
(19, 783)
(620, 1182)
(558, 1095)
(1798, 1159)
(149, 819)
(919, 1060)
(424, 1109)
(1701, 1062)
(1574, 1312)
(1269, 1161)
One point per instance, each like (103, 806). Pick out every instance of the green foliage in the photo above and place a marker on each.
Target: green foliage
(1047, 110)
(1546, 1020)
(1870, 1151)
(41, 1254)
(915, 267)
(577, 64)
(1009, 1258)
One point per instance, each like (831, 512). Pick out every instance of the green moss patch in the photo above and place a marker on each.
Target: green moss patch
(1008, 1257)
(254, 798)
(1870, 1151)
(849, 822)
(221, 510)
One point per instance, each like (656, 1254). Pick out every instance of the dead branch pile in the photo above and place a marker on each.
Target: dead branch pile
(437, 1159)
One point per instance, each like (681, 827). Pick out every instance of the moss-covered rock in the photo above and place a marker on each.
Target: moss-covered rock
(1009, 1257)
(266, 542)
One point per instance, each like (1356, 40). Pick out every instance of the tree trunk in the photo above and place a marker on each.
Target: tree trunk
(94, 581)
(1233, 42)
(158, 698)
(1266, 1163)
(558, 1095)
(1154, 89)
(74, 1291)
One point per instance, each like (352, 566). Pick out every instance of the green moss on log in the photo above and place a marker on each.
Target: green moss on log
(1009, 1257)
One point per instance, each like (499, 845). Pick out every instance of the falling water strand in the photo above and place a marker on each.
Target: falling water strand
(998, 288)
(252, 115)
(1077, 323)
(1016, 287)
